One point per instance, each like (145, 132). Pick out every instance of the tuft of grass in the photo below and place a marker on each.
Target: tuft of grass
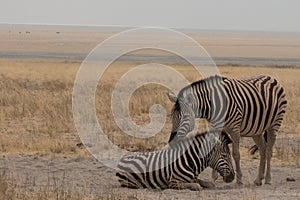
(289, 152)
(55, 188)
(7, 187)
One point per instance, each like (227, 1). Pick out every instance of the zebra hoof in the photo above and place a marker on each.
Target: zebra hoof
(258, 182)
(268, 180)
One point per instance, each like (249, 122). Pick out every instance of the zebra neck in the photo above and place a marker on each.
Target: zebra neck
(204, 153)
(200, 104)
(211, 96)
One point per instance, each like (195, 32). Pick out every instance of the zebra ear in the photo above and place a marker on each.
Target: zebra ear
(172, 97)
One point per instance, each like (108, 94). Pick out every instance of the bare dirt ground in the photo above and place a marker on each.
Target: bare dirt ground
(89, 176)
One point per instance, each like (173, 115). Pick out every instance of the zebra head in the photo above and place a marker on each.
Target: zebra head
(183, 117)
(220, 157)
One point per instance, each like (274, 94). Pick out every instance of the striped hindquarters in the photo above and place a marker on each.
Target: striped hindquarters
(267, 104)
(260, 102)
(143, 170)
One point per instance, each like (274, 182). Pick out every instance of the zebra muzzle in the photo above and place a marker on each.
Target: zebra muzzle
(229, 178)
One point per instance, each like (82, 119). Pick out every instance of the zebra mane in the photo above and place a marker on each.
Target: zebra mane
(207, 80)
(175, 107)
(187, 91)
(184, 91)
(214, 136)
(199, 135)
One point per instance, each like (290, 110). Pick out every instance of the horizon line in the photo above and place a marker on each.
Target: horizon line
(132, 27)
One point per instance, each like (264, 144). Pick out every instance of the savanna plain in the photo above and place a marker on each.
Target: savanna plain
(42, 156)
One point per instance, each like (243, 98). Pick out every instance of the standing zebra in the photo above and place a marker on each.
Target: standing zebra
(249, 108)
(178, 166)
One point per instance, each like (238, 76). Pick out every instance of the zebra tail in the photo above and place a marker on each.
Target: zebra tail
(253, 149)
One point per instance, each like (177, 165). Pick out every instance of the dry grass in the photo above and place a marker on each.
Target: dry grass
(10, 189)
(36, 105)
(55, 189)
(36, 113)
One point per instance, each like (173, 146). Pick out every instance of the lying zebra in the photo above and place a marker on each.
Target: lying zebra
(191, 156)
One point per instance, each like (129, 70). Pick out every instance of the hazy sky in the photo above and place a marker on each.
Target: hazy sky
(266, 15)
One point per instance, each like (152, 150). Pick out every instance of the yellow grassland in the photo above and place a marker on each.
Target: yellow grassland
(36, 105)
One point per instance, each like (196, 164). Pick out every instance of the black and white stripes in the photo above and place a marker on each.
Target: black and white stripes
(178, 166)
(251, 107)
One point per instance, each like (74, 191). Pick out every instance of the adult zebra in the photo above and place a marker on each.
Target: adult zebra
(178, 166)
(251, 107)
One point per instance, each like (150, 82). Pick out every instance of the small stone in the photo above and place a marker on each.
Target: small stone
(290, 179)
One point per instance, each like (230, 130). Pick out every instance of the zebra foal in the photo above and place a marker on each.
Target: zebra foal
(178, 167)
(251, 107)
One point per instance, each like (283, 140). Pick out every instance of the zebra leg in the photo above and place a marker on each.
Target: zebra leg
(179, 185)
(236, 157)
(214, 175)
(271, 137)
(205, 184)
(259, 141)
